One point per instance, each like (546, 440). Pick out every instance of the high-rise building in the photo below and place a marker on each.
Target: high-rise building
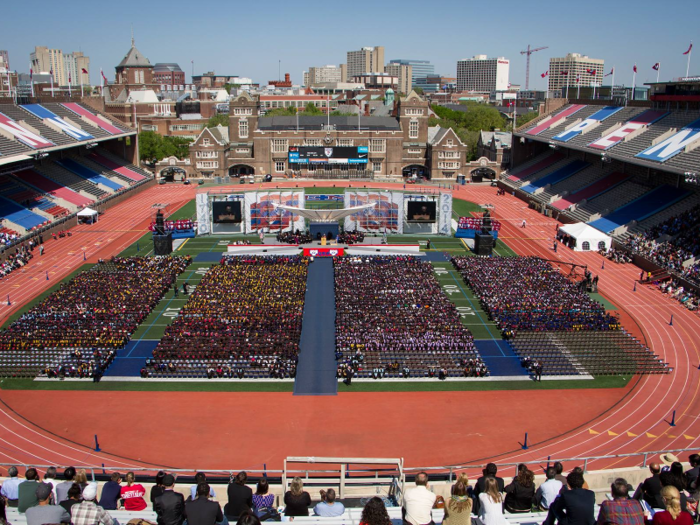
(74, 64)
(366, 60)
(405, 75)
(565, 70)
(45, 60)
(420, 68)
(322, 75)
(482, 74)
(5, 59)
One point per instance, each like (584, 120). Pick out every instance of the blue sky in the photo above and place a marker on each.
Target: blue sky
(249, 38)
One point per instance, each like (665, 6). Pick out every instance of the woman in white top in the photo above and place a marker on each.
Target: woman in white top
(491, 504)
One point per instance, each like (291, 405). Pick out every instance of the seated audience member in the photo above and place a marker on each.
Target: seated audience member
(240, 497)
(669, 478)
(262, 497)
(418, 502)
(296, 500)
(75, 496)
(50, 479)
(328, 507)
(491, 503)
(27, 490)
(111, 492)
(463, 478)
(650, 489)
(44, 512)
(549, 490)
(10, 486)
(170, 506)
(132, 494)
(248, 518)
(203, 511)
(87, 512)
(81, 478)
(673, 515)
(157, 489)
(458, 508)
(374, 513)
(574, 506)
(200, 477)
(490, 471)
(520, 493)
(559, 469)
(621, 510)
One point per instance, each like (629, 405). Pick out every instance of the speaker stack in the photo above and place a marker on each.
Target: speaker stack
(483, 243)
(163, 244)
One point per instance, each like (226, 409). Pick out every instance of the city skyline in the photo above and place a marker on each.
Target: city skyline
(621, 37)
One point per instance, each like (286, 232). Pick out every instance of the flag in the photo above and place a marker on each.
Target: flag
(591, 72)
(31, 73)
(634, 68)
(51, 72)
(565, 73)
(656, 66)
(104, 77)
(70, 80)
(578, 78)
(689, 49)
(509, 84)
(546, 73)
(85, 71)
(612, 71)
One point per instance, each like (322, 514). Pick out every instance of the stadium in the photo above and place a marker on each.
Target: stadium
(380, 344)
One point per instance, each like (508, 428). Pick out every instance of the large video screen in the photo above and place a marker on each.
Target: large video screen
(328, 155)
(226, 211)
(421, 211)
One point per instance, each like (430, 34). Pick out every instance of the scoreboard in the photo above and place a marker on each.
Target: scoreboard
(328, 155)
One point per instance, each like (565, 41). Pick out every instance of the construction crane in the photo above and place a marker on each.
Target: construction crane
(529, 52)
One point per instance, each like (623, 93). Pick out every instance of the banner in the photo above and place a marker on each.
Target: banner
(384, 217)
(445, 215)
(203, 215)
(263, 214)
(323, 252)
(476, 223)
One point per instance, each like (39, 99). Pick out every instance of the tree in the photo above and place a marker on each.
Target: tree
(312, 110)
(419, 91)
(219, 118)
(154, 147)
(527, 117)
(281, 112)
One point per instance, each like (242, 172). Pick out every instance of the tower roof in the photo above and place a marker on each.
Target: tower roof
(134, 58)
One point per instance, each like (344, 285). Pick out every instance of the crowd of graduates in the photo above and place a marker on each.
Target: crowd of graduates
(244, 315)
(351, 237)
(527, 293)
(296, 237)
(393, 320)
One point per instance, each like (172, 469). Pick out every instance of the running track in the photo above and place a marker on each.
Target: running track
(245, 430)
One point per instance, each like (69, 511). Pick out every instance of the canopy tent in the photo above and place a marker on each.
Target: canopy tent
(586, 237)
(325, 215)
(87, 216)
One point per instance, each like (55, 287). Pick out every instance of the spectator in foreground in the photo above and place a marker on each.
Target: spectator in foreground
(328, 507)
(621, 510)
(673, 515)
(170, 506)
(10, 486)
(692, 474)
(240, 497)
(418, 502)
(50, 479)
(111, 492)
(27, 491)
(75, 496)
(199, 478)
(559, 468)
(458, 508)
(520, 493)
(157, 489)
(464, 478)
(203, 511)
(133, 494)
(44, 512)
(296, 499)
(650, 489)
(62, 488)
(491, 503)
(81, 478)
(490, 471)
(87, 512)
(262, 497)
(375, 513)
(574, 506)
(549, 490)
(248, 518)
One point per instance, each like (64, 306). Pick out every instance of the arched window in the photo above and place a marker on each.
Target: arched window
(601, 245)
(586, 246)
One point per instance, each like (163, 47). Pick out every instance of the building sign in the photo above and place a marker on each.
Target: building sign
(587, 123)
(44, 114)
(644, 119)
(673, 145)
(328, 155)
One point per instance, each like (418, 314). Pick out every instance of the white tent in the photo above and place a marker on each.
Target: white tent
(87, 216)
(587, 237)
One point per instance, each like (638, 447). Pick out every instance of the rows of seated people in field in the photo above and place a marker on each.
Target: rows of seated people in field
(351, 237)
(618, 256)
(527, 293)
(667, 496)
(244, 317)
(392, 311)
(15, 261)
(81, 364)
(295, 237)
(682, 243)
(99, 308)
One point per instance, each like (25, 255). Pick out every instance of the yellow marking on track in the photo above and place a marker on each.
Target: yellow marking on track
(630, 434)
(689, 438)
(591, 431)
(611, 433)
(650, 435)
(180, 247)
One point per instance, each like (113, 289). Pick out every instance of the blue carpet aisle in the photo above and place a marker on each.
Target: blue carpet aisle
(132, 358)
(317, 366)
(500, 358)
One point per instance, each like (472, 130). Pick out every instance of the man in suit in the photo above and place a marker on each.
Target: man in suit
(201, 511)
(650, 489)
(490, 471)
(240, 497)
(574, 506)
(170, 506)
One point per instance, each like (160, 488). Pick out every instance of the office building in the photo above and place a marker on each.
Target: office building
(564, 71)
(168, 74)
(4, 59)
(74, 64)
(366, 60)
(482, 74)
(404, 73)
(419, 68)
(45, 60)
(322, 75)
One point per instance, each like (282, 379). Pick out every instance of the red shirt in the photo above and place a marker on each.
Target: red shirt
(664, 518)
(133, 497)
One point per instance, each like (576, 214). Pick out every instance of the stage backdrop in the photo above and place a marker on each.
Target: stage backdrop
(385, 216)
(261, 214)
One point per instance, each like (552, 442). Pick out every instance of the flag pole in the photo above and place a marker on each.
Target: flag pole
(578, 88)
(690, 52)
(515, 110)
(658, 72)
(52, 83)
(634, 81)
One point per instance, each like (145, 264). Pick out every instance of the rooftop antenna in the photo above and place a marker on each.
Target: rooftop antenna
(132, 35)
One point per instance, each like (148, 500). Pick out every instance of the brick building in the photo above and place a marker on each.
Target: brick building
(134, 73)
(168, 74)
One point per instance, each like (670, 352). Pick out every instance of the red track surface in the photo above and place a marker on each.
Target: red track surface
(229, 430)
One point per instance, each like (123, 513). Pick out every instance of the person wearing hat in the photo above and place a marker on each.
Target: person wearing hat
(44, 512)
(668, 459)
(170, 506)
(87, 512)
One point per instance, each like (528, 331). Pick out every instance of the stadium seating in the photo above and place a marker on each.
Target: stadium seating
(68, 178)
(533, 176)
(108, 157)
(65, 113)
(101, 170)
(88, 174)
(534, 166)
(607, 201)
(585, 177)
(53, 188)
(121, 169)
(559, 175)
(591, 191)
(641, 208)
(19, 114)
(20, 215)
(570, 112)
(30, 198)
